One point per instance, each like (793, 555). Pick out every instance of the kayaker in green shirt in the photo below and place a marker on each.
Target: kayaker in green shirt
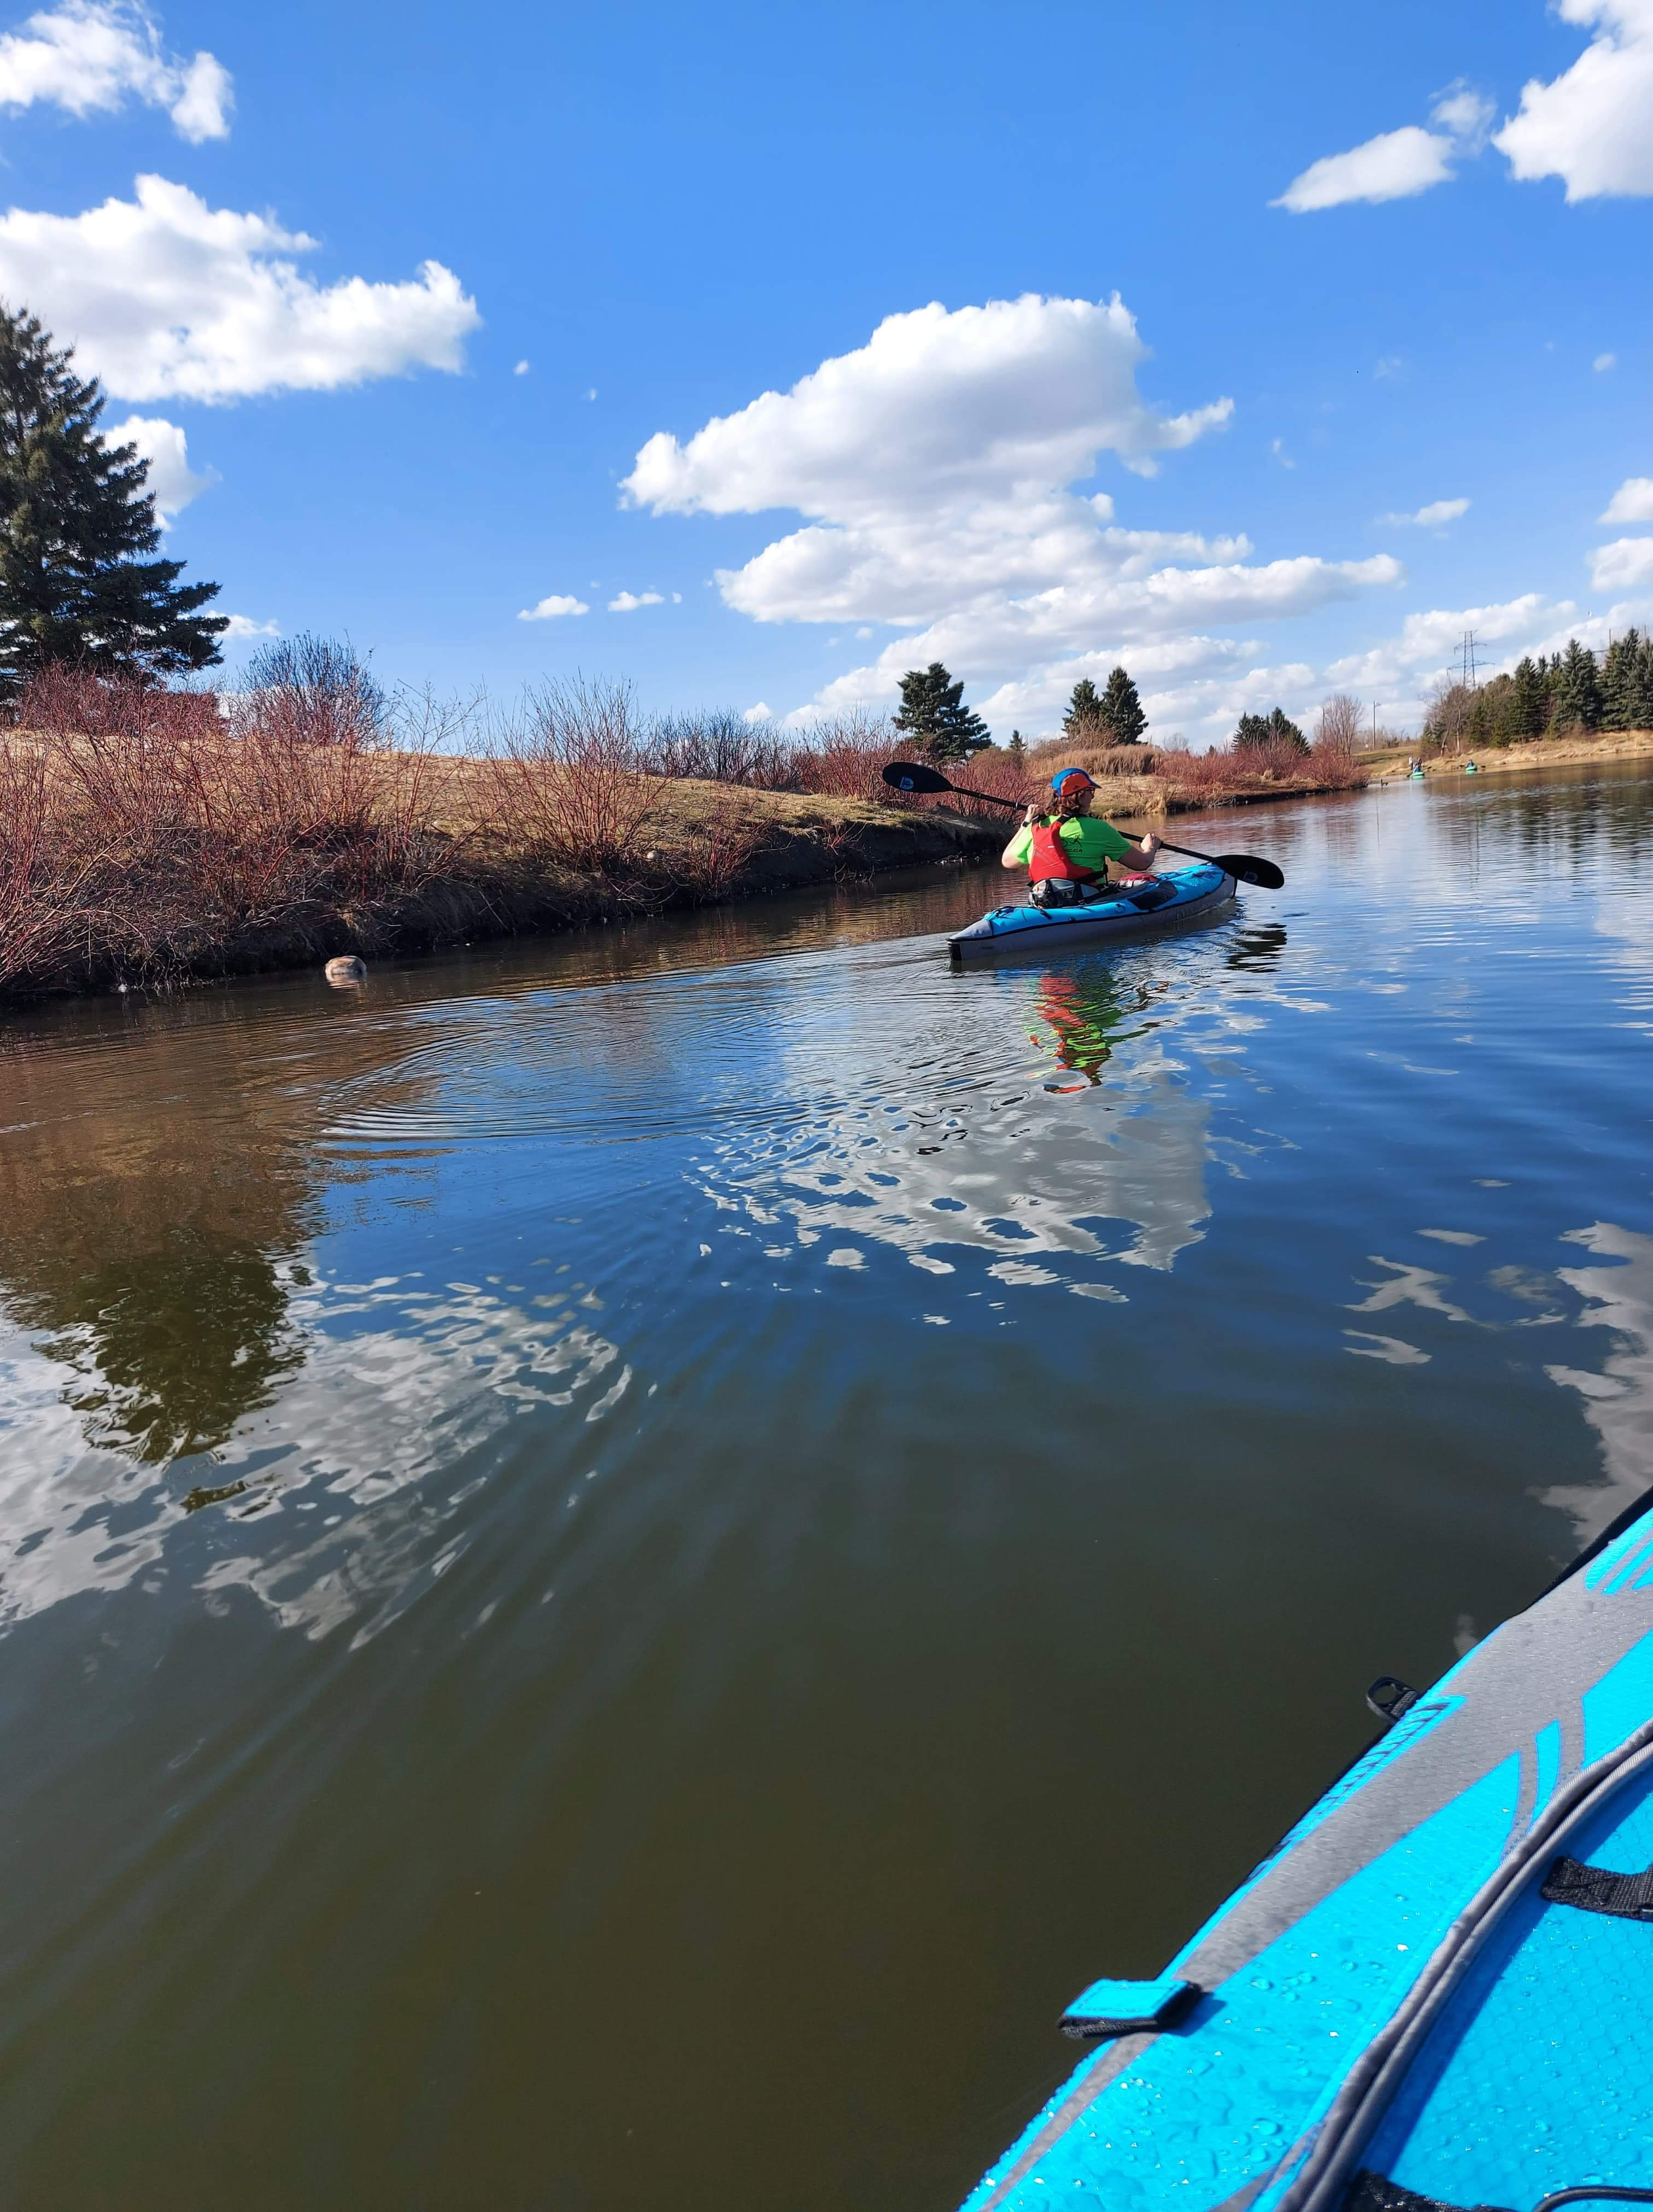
(1065, 850)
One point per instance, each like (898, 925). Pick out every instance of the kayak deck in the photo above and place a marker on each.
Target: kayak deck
(1438, 1992)
(1175, 895)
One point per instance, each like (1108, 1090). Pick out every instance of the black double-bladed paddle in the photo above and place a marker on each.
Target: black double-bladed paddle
(1244, 868)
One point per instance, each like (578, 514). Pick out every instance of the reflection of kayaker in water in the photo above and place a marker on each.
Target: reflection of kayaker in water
(1066, 850)
(1085, 1009)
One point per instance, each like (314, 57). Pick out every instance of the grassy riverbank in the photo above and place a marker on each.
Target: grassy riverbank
(277, 858)
(1575, 750)
(151, 838)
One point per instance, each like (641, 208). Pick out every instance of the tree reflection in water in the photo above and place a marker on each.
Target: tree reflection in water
(149, 1242)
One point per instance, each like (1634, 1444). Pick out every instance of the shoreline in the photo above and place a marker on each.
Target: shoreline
(1530, 752)
(708, 844)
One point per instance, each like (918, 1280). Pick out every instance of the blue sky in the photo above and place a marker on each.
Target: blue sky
(927, 211)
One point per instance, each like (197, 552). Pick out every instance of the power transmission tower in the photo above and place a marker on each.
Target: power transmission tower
(1471, 680)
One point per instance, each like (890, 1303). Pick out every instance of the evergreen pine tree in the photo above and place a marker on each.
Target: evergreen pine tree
(1121, 711)
(1492, 713)
(1623, 706)
(1578, 690)
(932, 712)
(1259, 733)
(1529, 707)
(1550, 671)
(76, 526)
(1084, 715)
(1017, 748)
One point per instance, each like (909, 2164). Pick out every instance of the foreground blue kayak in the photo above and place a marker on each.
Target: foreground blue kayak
(1177, 894)
(1438, 1992)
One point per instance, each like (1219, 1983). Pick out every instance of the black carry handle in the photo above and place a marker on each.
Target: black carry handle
(1244, 868)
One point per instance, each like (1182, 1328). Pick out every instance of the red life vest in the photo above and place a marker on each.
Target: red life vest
(1050, 857)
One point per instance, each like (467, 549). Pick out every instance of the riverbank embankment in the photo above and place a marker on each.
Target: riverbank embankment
(145, 864)
(150, 838)
(1577, 750)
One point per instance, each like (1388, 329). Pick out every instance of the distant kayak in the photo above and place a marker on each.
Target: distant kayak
(1176, 895)
(1416, 777)
(1438, 1992)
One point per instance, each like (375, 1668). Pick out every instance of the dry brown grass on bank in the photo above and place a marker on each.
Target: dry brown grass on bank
(1568, 749)
(147, 837)
(1162, 781)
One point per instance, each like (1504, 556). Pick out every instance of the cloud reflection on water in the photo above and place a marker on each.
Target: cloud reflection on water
(397, 1386)
(1617, 1400)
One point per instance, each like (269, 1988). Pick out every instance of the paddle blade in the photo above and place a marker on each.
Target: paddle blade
(913, 776)
(1247, 868)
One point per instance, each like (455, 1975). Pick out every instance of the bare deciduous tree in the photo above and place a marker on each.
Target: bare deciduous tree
(1339, 726)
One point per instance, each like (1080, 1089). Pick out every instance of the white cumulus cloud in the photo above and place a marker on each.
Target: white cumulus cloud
(760, 713)
(936, 470)
(960, 406)
(626, 602)
(1438, 513)
(165, 448)
(244, 626)
(1631, 503)
(1396, 165)
(89, 57)
(1428, 643)
(164, 297)
(1603, 361)
(1593, 125)
(1467, 113)
(549, 609)
(1622, 565)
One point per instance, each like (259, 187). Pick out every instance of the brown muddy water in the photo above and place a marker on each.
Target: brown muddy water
(623, 1562)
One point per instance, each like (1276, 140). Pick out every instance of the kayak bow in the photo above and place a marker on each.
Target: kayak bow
(1438, 1991)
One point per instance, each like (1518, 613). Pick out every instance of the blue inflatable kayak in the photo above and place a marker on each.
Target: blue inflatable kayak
(1177, 894)
(1438, 1993)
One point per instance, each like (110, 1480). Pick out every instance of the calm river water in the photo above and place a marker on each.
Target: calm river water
(623, 1562)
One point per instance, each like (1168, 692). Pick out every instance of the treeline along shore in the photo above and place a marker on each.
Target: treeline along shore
(151, 836)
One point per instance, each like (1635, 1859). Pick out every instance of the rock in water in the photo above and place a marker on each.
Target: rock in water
(347, 968)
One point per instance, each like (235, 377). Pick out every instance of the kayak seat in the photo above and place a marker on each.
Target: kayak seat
(1156, 894)
(1598, 1889)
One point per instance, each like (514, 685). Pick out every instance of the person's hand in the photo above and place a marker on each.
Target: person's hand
(1031, 816)
(1149, 844)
